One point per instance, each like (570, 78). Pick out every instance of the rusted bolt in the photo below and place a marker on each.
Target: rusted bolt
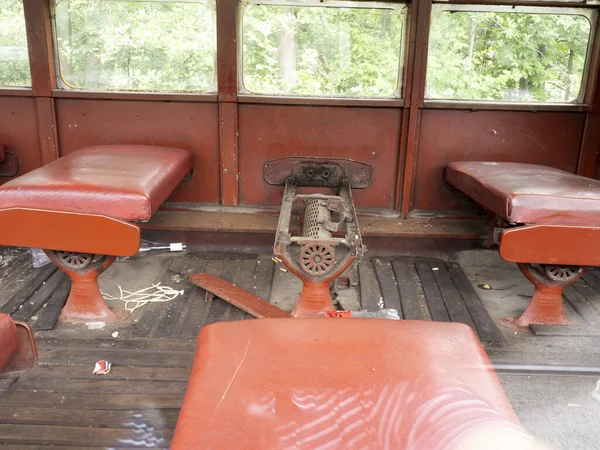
(325, 174)
(310, 173)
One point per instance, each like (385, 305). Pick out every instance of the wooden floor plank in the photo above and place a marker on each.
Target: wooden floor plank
(132, 373)
(370, 292)
(387, 284)
(155, 345)
(90, 400)
(435, 301)
(580, 305)
(37, 300)
(116, 357)
(47, 316)
(157, 418)
(70, 436)
(264, 277)
(484, 325)
(167, 323)
(98, 385)
(40, 276)
(244, 277)
(414, 303)
(452, 298)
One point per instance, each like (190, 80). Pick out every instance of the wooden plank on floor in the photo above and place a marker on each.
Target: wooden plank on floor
(75, 436)
(155, 345)
(90, 400)
(116, 357)
(98, 385)
(387, 284)
(370, 292)
(157, 418)
(565, 330)
(132, 373)
(594, 283)
(217, 308)
(452, 298)
(414, 303)
(196, 308)
(580, 305)
(264, 277)
(37, 300)
(49, 313)
(484, 325)
(435, 301)
(28, 289)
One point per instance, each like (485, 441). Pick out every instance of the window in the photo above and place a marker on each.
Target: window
(14, 59)
(322, 50)
(136, 45)
(510, 55)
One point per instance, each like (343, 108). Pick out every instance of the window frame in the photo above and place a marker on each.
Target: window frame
(578, 104)
(245, 95)
(64, 89)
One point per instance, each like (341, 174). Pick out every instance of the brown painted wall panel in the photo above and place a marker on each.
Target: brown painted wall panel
(191, 126)
(19, 132)
(369, 135)
(548, 138)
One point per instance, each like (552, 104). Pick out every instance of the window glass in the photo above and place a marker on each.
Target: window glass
(14, 59)
(322, 51)
(136, 45)
(507, 56)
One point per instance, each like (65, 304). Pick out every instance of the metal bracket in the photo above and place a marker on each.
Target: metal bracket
(317, 172)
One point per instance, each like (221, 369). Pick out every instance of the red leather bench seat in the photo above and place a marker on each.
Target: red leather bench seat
(528, 193)
(337, 384)
(127, 182)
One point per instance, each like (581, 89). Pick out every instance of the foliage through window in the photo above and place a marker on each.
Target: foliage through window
(507, 56)
(322, 51)
(14, 59)
(136, 45)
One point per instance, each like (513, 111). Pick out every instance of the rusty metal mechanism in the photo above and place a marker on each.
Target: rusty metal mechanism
(330, 240)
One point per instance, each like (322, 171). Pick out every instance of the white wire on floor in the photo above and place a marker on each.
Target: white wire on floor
(153, 294)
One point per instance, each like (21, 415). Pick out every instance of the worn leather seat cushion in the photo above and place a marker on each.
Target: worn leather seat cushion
(337, 384)
(528, 193)
(126, 182)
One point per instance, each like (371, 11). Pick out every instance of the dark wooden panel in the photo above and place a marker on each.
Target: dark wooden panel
(484, 325)
(48, 315)
(91, 400)
(264, 278)
(37, 300)
(549, 138)
(414, 303)
(99, 386)
(40, 276)
(191, 126)
(432, 292)
(454, 304)
(19, 132)
(388, 285)
(117, 357)
(370, 135)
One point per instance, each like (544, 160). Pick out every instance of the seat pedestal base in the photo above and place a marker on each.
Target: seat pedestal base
(546, 306)
(85, 302)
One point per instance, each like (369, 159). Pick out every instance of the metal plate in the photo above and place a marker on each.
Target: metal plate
(317, 172)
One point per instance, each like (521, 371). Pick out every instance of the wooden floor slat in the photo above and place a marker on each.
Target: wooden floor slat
(116, 418)
(72, 436)
(88, 400)
(140, 358)
(437, 307)
(414, 303)
(388, 284)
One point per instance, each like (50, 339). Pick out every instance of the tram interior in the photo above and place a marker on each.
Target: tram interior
(169, 165)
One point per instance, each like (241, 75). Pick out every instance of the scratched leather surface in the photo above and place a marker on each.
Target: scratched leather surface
(8, 339)
(528, 193)
(126, 182)
(337, 384)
